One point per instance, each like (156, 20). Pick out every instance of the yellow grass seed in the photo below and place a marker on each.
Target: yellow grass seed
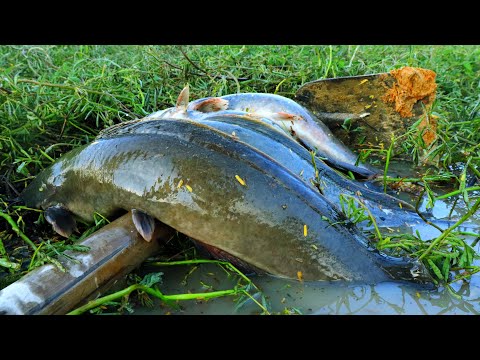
(240, 180)
(363, 81)
(300, 276)
(189, 188)
(180, 183)
(305, 230)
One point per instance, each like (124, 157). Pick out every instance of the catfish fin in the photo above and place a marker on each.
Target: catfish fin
(342, 165)
(61, 220)
(144, 223)
(213, 104)
(183, 99)
(284, 116)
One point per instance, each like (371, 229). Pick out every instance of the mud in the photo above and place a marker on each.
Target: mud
(395, 101)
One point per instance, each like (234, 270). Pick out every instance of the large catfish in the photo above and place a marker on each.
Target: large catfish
(387, 210)
(222, 193)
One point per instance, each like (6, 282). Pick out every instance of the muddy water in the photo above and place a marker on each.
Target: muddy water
(288, 296)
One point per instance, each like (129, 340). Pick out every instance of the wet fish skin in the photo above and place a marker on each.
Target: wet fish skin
(261, 222)
(283, 114)
(295, 120)
(365, 171)
(388, 210)
(287, 152)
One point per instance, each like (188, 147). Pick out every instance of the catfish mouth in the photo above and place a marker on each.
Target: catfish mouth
(29, 197)
(34, 196)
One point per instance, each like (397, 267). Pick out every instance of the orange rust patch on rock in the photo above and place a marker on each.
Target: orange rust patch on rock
(411, 85)
(429, 127)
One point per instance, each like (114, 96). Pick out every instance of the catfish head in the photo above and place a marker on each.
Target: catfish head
(46, 192)
(41, 192)
(63, 200)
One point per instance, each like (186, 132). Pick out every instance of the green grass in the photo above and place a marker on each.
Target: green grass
(244, 290)
(54, 98)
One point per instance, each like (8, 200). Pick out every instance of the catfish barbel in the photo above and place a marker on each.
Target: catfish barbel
(220, 192)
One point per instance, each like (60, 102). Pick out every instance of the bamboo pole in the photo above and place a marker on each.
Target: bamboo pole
(115, 250)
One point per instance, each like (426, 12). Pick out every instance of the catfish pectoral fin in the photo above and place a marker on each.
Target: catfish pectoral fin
(144, 223)
(61, 220)
(284, 116)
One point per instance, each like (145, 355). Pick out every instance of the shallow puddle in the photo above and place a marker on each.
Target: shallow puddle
(286, 296)
(292, 296)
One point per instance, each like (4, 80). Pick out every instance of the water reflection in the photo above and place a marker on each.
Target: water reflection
(319, 298)
(322, 298)
(395, 299)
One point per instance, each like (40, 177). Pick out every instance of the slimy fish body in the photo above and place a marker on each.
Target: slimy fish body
(293, 118)
(283, 114)
(253, 116)
(186, 176)
(387, 210)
